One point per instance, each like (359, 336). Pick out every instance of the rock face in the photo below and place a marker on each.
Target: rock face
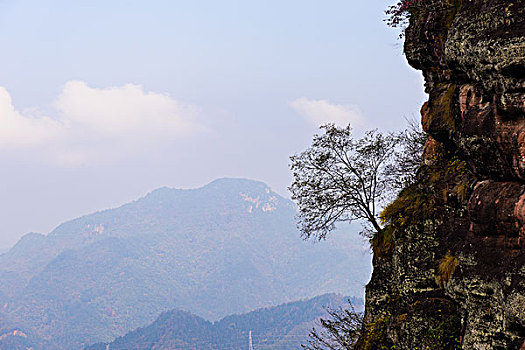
(454, 276)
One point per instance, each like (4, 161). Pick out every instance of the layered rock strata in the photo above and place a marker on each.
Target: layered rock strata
(450, 273)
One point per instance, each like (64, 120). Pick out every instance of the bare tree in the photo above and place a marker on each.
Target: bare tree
(339, 332)
(340, 178)
(408, 155)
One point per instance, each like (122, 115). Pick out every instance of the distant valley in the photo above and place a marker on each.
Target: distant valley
(226, 248)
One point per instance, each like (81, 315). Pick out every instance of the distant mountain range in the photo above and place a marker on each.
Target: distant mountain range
(283, 327)
(228, 247)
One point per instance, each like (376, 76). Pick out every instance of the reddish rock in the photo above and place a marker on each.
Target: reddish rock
(472, 55)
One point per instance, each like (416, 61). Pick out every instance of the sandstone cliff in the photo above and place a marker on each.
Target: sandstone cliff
(450, 271)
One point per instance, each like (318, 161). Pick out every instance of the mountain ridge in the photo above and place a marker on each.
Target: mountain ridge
(227, 247)
(282, 327)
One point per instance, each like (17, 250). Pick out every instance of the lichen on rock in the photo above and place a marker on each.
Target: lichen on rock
(454, 262)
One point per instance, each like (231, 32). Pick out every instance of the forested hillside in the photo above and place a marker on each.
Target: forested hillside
(229, 247)
(283, 327)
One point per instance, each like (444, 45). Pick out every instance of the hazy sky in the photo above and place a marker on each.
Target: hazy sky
(103, 101)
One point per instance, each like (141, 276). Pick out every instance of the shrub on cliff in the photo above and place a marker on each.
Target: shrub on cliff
(446, 268)
(398, 15)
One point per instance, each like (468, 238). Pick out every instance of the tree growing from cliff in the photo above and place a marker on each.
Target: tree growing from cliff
(341, 179)
(340, 331)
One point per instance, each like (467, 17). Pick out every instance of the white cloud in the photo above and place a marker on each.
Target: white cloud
(124, 109)
(319, 112)
(95, 125)
(23, 129)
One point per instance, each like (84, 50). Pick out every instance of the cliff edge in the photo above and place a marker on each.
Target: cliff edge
(450, 272)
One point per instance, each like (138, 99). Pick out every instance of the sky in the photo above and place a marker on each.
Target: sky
(101, 102)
